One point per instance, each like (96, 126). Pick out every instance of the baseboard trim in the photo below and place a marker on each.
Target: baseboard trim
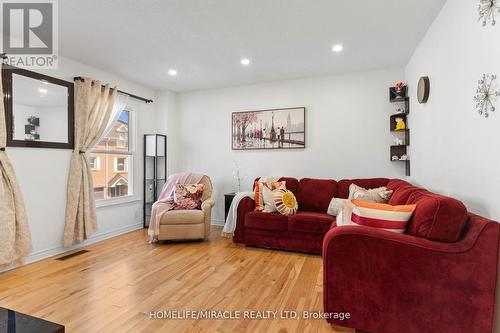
(99, 237)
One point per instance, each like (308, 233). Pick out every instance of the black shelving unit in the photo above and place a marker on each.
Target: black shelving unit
(400, 150)
(155, 170)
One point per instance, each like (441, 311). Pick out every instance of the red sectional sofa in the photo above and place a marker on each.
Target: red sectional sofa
(304, 231)
(440, 276)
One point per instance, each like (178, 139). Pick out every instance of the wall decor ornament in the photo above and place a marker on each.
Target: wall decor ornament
(488, 9)
(486, 94)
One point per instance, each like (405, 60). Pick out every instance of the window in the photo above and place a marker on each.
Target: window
(111, 160)
(120, 164)
(95, 163)
(122, 140)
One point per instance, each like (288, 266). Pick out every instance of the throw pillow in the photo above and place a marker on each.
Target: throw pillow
(188, 196)
(335, 206)
(259, 200)
(380, 194)
(344, 215)
(285, 202)
(268, 195)
(259, 192)
(380, 216)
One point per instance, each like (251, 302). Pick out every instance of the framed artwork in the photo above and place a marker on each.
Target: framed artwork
(269, 129)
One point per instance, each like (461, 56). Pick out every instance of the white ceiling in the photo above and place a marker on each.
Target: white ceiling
(204, 40)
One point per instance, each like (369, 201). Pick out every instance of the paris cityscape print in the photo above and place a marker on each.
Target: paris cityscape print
(269, 129)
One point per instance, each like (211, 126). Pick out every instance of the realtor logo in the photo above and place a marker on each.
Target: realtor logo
(29, 33)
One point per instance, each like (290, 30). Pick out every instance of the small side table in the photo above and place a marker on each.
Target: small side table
(228, 199)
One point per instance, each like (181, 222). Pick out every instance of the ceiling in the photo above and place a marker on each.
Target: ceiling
(204, 40)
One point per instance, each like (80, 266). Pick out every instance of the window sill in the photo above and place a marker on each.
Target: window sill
(116, 201)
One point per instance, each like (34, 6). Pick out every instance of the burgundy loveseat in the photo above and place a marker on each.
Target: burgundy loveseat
(304, 231)
(440, 276)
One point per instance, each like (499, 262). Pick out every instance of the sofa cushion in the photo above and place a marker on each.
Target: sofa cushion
(267, 221)
(401, 194)
(310, 222)
(191, 216)
(292, 184)
(436, 217)
(369, 183)
(394, 184)
(315, 194)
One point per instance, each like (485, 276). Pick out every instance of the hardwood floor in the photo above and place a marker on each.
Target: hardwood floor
(115, 286)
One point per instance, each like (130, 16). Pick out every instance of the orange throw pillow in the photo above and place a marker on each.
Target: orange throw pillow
(381, 216)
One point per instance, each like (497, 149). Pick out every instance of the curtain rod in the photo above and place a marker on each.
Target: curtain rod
(3, 56)
(145, 100)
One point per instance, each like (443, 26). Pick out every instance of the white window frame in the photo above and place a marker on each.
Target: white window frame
(131, 163)
(96, 166)
(125, 164)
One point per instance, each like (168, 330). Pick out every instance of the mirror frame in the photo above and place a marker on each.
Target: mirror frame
(7, 72)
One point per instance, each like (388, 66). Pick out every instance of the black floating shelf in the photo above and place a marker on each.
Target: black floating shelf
(400, 150)
(399, 99)
(395, 97)
(402, 114)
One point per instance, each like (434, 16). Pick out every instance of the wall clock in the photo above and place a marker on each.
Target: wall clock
(423, 89)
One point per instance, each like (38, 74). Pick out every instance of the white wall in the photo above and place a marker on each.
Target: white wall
(42, 173)
(347, 130)
(168, 122)
(455, 150)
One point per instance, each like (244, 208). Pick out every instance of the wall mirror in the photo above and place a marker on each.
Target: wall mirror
(39, 109)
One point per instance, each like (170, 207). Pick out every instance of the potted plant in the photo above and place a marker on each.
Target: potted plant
(400, 89)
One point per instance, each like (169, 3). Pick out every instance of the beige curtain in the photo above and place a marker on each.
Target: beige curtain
(93, 107)
(15, 238)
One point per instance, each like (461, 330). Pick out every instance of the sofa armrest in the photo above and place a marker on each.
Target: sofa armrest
(245, 206)
(207, 204)
(395, 282)
(206, 207)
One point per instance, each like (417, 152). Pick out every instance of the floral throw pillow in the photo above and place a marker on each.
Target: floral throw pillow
(188, 196)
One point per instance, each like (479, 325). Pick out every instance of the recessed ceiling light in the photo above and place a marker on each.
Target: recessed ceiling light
(245, 61)
(337, 48)
(42, 90)
(172, 72)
